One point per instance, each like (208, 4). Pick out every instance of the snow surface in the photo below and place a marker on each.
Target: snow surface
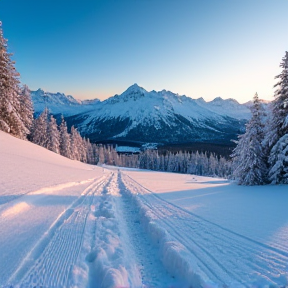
(68, 224)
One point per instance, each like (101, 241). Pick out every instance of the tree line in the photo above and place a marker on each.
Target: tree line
(261, 154)
(202, 163)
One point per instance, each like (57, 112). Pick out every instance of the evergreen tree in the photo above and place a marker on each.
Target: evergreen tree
(10, 104)
(53, 136)
(213, 165)
(90, 153)
(278, 160)
(26, 108)
(74, 144)
(65, 148)
(277, 136)
(279, 122)
(95, 153)
(39, 133)
(248, 156)
(82, 149)
(101, 156)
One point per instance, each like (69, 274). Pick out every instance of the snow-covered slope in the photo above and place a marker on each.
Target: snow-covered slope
(37, 187)
(138, 115)
(26, 167)
(60, 103)
(67, 224)
(225, 235)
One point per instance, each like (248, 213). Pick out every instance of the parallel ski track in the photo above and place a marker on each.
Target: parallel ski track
(151, 268)
(211, 243)
(137, 247)
(53, 266)
(224, 256)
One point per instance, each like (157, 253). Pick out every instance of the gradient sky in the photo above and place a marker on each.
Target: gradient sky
(97, 48)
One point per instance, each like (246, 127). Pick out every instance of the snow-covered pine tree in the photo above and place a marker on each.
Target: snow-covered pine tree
(108, 155)
(77, 146)
(279, 121)
(26, 107)
(248, 156)
(96, 153)
(101, 156)
(277, 136)
(83, 150)
(171, 162)
(39, 131)
(90, 154)
(161, 163)
(53, 136)
(10, 104)
(191, 169)
(74, 144)
(205, 163)
(65, 149)
(213, 165)
(198, 163)
(278, 159)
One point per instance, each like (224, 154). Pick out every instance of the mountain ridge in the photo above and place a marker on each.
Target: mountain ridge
(43, 98)
(149, 116)
(162, 117)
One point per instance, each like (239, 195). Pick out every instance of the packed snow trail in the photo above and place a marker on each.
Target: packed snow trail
(202, 252)
(120, 253)
(150, 266)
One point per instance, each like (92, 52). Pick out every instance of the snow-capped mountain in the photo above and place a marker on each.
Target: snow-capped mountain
(163, 117)
(229, 107)
(60, 103)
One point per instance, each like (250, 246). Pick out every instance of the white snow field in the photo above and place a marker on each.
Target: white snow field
(67, 224)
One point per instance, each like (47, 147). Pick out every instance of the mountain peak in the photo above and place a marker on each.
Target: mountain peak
(135, 88)
(200, 99)
(134, 92)
(135, 85)
(217, 99)
(40, 91)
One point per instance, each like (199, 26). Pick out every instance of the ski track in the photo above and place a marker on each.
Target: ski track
(53, 263)
(104, 240)
(152, 271)
(224, 256)
(123, 247)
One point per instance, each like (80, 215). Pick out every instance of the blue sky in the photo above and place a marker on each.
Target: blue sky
(97, 48)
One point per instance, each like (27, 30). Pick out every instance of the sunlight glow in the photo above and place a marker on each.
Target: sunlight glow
(15, 210)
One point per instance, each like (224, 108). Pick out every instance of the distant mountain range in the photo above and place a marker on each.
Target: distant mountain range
(59, 103)
(137, 115)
